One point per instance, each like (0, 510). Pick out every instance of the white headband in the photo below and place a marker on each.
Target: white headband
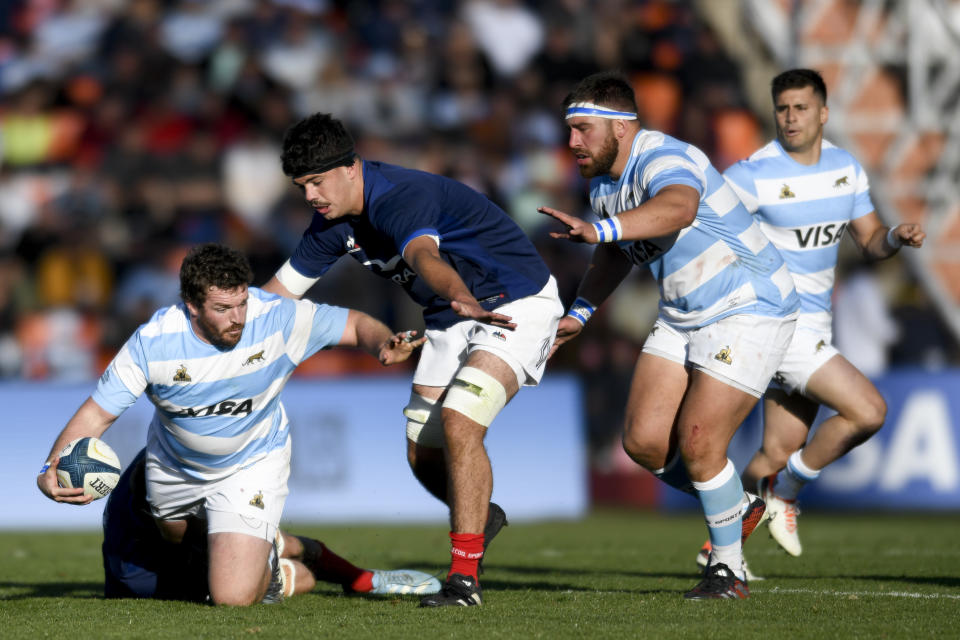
(595, 110)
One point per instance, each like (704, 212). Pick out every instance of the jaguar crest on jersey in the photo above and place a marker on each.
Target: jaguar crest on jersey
(257, 357)
(841, 182)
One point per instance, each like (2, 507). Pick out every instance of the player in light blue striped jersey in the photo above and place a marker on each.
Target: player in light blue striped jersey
(807, 194)
(218, 446)
(727, 306)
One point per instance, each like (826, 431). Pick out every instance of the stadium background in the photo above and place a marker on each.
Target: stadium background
(131, 130)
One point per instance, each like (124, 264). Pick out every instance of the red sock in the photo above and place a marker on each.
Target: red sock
(329, 567)
(466, 552)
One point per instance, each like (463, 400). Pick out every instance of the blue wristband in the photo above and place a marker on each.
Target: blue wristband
(581, 310)
(608, 229)
(43, 469)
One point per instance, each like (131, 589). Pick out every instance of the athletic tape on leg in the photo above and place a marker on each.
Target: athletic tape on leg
(477, 395)
(424, 422)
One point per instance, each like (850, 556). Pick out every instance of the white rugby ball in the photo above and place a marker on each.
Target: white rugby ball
(89, 463)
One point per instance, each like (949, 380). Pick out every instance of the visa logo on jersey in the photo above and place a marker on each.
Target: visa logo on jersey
(817, 236)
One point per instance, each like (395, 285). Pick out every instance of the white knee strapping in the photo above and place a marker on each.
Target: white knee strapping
(424, 422)
(477, 395)
(288, 577)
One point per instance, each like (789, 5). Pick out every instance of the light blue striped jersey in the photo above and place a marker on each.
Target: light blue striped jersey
(804, 210)
(722, 263)
(218, 410)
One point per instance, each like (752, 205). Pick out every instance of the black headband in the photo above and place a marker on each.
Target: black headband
(342, 160)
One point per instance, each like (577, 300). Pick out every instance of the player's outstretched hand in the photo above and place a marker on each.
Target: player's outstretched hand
(47, 482)
(474, 311)
(910, 235)
(577, 229)
(567, 330)
(399, 347)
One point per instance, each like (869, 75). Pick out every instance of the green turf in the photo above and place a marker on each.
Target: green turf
(613, 575)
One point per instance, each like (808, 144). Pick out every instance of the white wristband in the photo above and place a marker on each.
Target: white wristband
(581, 310)
(893, 240)
(608, 229)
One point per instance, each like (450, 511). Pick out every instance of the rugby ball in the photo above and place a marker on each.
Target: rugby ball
(89, 463)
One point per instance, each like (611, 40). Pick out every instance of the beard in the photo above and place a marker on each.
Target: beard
(219, 339)
(603, 160)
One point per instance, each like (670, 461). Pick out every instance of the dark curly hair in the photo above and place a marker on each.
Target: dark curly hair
(607, 88)
(212, 265)
(316, 144)
(798, 79)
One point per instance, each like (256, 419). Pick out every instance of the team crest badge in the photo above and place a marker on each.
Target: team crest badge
(840, 182)
(181, 375)
(257, 501)
(257, 357)
(786, 193)
(724, 356)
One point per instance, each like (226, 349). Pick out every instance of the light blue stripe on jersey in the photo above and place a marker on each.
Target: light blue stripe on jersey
(218, 410)
(804, 210)
(720, 265)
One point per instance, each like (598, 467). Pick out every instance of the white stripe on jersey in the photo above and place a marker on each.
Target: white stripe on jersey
(784, 281)
(666, 163)
(741, 297)
(219, 445)
(297, 343)
(817, 282)
(809, 237)
(129, 373)
(723, 200)
(222, 365)
(708, 264)
(748, 199)
(754, 239)
(807, 188)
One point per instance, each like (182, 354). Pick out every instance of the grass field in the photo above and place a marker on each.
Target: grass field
(612, 575)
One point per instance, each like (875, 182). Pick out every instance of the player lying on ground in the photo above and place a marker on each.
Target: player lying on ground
(139, 563)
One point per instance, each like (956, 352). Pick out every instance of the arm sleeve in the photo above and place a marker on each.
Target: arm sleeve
(862, 204)
(319, 247)
(125, 378)
(406, 213)
(669, 168)
(312, 327)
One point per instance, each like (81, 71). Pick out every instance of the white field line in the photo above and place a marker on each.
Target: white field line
(847, 594)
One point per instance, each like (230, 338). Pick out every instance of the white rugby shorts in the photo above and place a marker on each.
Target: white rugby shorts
(525, 349)
(249, 501)
(809, 350)
(742, 350)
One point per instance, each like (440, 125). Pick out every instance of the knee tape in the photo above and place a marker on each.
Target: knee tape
(477, 395)
(288, 577)
(424, 423)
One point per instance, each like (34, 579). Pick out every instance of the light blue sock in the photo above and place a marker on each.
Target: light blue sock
(675, 475)
(793, 477)
(722, 498)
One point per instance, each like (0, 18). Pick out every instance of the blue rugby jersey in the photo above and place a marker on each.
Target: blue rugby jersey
(492, 255)
(218, 411)
(721, 264)
(804, 210)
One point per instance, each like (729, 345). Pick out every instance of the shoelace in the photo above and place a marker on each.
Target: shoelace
(790, 513)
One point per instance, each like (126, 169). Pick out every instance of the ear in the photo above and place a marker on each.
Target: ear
(194, 311)
(620, 128)
(824, 114)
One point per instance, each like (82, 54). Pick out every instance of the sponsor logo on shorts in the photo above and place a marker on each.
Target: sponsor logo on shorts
(181, 375)
(257, 501)
(257, 357)
(820, 345)
(544, 351)
(499, 336)
(786, 193)
(724, 356)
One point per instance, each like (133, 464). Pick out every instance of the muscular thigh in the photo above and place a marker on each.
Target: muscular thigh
(656, 392)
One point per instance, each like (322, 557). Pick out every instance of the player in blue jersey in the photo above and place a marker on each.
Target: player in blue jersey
(490, 307)
(727, 307)
(807, 194)
(139, 563)
(219, 441)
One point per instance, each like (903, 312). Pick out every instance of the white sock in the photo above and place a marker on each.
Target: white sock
(793, 477)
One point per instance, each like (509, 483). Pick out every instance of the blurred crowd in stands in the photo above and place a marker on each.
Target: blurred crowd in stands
(132, 129)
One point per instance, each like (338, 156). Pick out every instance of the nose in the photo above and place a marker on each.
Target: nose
(310, 192)
(574, 139)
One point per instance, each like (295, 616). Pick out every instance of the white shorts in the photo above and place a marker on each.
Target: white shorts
(809, 350)
(249, 501)
(742, 350)
(525, 349)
